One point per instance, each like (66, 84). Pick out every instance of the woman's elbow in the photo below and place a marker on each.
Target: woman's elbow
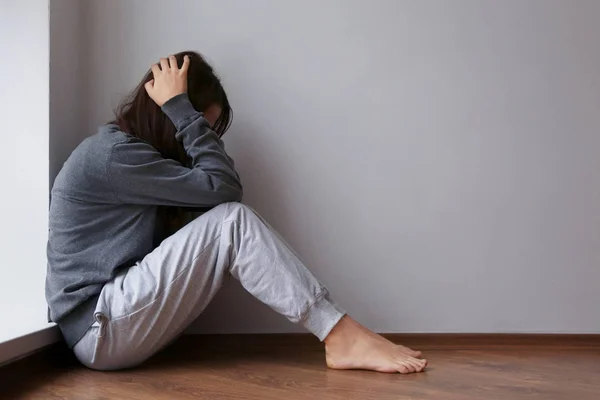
(232, 194)
(237, 195)
(227, 190)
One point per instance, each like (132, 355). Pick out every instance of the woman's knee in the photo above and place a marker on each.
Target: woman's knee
(225, 212)
(234, 209)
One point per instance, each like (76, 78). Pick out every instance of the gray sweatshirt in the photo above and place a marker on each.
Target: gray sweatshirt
(104, 202)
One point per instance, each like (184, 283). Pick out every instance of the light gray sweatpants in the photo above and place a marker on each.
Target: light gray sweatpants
(149, 304)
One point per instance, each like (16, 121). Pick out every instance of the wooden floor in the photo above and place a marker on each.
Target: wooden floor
(292, 367)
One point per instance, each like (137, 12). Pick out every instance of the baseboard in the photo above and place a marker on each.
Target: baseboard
(26, 345)
(500, 340)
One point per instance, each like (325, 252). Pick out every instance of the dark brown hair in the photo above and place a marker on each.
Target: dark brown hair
(139, 116)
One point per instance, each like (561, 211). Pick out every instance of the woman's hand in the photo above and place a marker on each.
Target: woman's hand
(169, 80)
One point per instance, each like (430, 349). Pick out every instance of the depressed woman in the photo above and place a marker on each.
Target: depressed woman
(127, 270)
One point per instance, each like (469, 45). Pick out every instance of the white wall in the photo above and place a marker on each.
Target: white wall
(435, 163)
(24, 40)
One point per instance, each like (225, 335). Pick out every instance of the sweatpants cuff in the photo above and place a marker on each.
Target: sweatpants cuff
(322, 317)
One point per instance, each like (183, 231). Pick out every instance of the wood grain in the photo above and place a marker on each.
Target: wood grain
(292, 367)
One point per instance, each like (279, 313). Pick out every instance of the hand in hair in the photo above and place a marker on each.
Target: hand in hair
(169, 80)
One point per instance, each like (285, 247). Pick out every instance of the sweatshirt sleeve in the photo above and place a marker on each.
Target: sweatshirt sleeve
(139, 174)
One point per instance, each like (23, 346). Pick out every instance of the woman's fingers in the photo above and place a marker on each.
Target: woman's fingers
(168, 80)
(149, 85)
(173, 63)
(164, 64)
(186, 64)
(155, 70)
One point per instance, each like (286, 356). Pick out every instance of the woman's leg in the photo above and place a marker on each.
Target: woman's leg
(149, 304)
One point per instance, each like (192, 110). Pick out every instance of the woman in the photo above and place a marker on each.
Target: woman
(126, 275)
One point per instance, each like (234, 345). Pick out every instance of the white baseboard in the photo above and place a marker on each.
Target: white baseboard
(23, 346)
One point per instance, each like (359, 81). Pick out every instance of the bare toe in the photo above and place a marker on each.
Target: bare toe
(408, 351)
(417, 364)
(402, 369)
(408, 367)
(420, 366)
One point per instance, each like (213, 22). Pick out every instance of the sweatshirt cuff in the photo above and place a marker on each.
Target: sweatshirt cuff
(179, 109)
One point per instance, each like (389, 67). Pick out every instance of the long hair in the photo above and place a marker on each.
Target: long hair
(139, 116)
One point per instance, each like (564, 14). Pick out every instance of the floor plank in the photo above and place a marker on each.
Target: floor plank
(292, 367)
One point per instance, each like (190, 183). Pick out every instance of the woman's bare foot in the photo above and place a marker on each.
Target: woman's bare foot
(352, 346)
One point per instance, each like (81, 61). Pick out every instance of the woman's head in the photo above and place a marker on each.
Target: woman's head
(140, 116)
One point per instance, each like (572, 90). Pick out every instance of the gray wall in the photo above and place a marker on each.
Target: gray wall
(435, 163)
(68, 80)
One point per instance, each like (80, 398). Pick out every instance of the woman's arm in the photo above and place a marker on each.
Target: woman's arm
(138, 173)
